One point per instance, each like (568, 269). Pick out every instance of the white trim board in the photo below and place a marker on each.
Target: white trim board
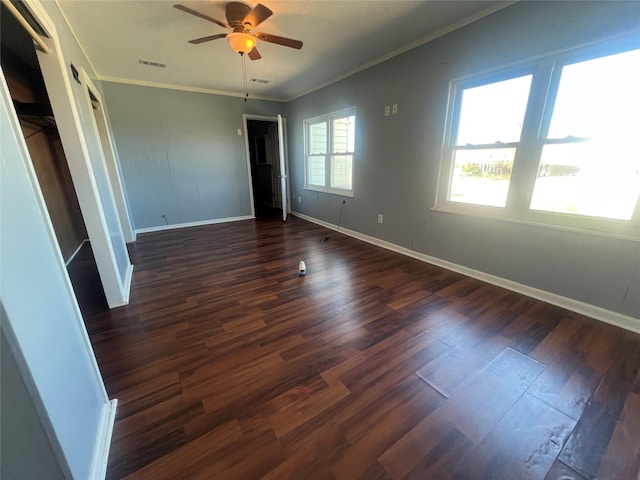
(109, 155)
(128, 276)
(184, 88)
(193, 224)
(103, 442)
(614, 318)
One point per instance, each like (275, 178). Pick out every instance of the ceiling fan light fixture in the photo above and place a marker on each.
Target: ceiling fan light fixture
(241, 42)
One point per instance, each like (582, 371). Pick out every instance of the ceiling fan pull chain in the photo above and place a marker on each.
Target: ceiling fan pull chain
(244, 76)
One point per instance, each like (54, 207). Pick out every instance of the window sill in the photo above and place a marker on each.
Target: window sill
(504, 217)
(330, 191)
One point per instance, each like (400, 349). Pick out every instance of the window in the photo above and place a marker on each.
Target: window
(553, 142)
(590, 161)
(488, 136)
(329, 151)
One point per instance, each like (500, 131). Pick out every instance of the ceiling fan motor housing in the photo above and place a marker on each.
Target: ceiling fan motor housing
(236, 12)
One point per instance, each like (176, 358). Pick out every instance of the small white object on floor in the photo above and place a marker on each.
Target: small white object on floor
(302, 268)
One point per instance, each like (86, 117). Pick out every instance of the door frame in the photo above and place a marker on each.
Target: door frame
(55, 47)
(109, 156)
(82, 166)
(265, 118)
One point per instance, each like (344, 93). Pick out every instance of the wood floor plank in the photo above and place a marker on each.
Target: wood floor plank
(442, 459)
(448, 372)
(229, 365)
(375, 472)
(149, 393)
(201, 450)
(523, 445)
(561, 338)
(620, 377)
(310, 455)
(377, 366)
(386, 420)
(589, 440)
(560, 471)
(338, 371)
(567, 383)
(472, 411)
(622, 458)
(298, 405)
(533, 325)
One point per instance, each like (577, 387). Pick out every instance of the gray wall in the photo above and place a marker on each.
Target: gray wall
(57, 370)
(397, 157)
(41, 312)
(180, 152)
(26, 451)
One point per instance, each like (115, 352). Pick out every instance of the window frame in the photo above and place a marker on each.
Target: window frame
(328, 119)
(448, 160)
(546, 71)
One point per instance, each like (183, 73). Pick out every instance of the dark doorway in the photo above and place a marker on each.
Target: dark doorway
(265, 167)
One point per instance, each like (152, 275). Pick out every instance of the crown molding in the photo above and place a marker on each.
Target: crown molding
(426, 39)
(184, 88)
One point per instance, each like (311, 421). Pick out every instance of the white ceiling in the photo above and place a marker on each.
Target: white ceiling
(340, 37)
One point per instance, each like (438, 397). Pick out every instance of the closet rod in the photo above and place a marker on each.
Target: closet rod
(27, 27)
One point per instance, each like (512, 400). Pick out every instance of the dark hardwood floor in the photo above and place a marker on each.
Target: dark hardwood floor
(228, 365)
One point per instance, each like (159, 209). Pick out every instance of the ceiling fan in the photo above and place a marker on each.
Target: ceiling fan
(242, 19)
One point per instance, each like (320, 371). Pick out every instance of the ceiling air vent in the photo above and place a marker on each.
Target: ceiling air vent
(258, 80)
(149, 63)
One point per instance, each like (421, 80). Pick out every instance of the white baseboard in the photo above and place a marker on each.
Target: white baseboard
(103, 441)
(593, 311)
(126, 289)
(192, 224)
(127, 282)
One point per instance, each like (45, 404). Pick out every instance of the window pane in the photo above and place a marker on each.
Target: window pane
(599, 98)
(341, 171)
(344, 134)
(482, 176)
(588, 178)
(318, 138)
(316, 170)
(493, 113)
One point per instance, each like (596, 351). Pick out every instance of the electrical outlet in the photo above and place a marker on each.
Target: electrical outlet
(380, 218)
(386, 110)
(394, 110)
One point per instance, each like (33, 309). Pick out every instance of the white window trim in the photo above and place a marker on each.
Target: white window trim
(329, 117)
(544, 87)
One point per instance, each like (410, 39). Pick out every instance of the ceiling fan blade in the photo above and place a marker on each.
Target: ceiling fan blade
(201, 15)
(254, 54)
(258, 15)
(207, 39)
(287, 42)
